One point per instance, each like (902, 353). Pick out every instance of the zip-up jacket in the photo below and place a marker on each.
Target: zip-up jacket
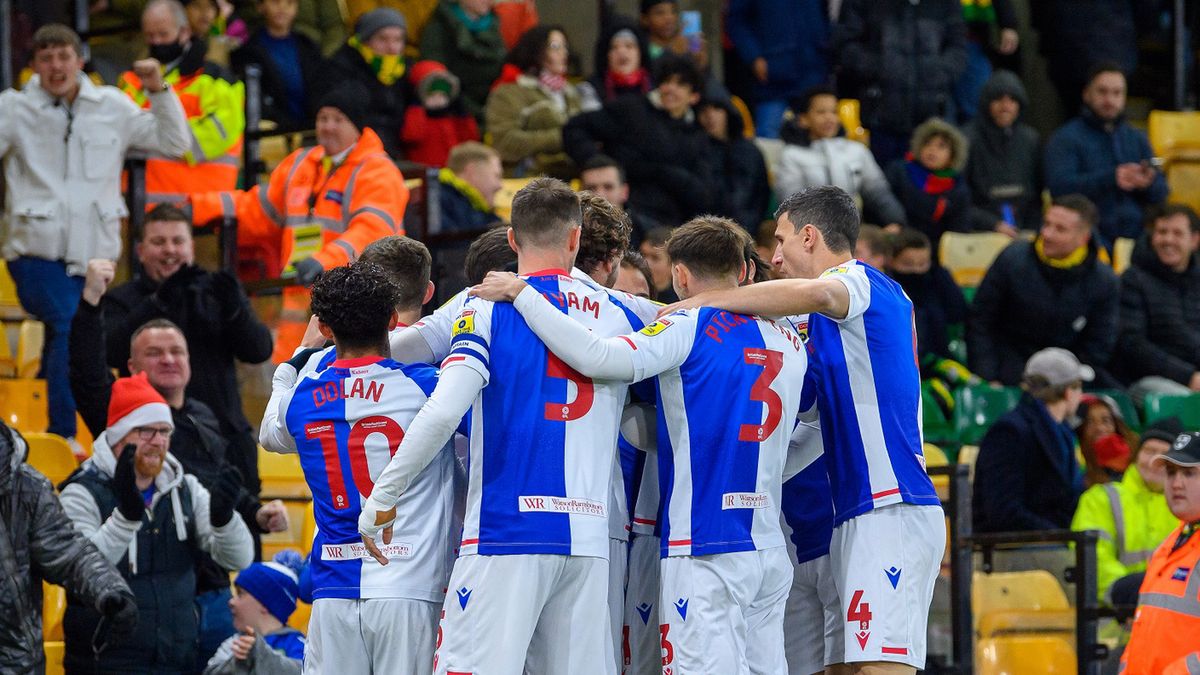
(1166, 628)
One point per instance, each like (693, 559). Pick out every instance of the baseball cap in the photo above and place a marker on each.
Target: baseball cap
(1059, 367)
(1184, 452)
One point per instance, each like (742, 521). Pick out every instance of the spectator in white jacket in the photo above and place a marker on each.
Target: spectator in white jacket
(815, 155)
(62, 142)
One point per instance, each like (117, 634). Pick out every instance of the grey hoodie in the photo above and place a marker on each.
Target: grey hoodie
(229, 545)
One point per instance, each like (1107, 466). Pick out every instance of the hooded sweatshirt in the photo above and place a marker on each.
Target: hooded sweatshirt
(1004, 167)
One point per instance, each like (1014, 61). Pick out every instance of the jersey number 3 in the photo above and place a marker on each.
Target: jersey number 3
(771, 362)
(356, 451)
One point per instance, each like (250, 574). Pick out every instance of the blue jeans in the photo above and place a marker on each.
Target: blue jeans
(216, 622)
(970, 83)
(50, 294)
(768, 117)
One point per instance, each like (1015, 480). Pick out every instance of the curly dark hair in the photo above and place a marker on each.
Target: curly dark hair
(356, 301)
(530, 50)
(606, 232)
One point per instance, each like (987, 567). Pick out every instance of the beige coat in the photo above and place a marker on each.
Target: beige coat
(525, 122)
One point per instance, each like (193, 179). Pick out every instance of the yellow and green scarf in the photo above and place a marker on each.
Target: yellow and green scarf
(387, 67)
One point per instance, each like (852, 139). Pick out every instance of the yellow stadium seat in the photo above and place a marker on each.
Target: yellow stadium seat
(850, 115)
(743, 111)
(1184, 179)
(54, 657)
(299, 618)
(8, 361)
(293, 537)
(1024, 655)
(23, 404)
(1056, 622)
(1122, 253)
(308, 529)
(281, 475)
(935, 456)
(50, 454)
(54, 603)
(968, 255)
(30, 338)
(508, 189)
(1002, 601)
(1174, 134)
(9, 304)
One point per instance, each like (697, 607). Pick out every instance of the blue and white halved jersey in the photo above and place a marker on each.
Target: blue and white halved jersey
(347, 420)
(728, 391)
(869, 395)
(543, 437)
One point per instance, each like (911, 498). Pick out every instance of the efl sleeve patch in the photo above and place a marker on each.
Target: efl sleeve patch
(464, 324)
(656, 327)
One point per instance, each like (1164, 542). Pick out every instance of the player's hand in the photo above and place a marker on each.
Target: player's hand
(499, 287)
(371, 522)
(149, 71)
(99, 275)
(272, 517)
(693, 302)
(312, 335)
(242, 645)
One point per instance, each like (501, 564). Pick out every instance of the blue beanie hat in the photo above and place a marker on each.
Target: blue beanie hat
(273, 584)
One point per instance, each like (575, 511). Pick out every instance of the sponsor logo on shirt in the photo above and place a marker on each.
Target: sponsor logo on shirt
(656, 327)
(392, 551)
(836, 270)
(745, 500)
(465, 323)
(549, 504)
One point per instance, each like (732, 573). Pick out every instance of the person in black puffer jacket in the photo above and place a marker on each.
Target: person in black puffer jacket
(900, 58)
(738, 165)
(38, 542)
(1004, 169)
(1055, 291)
(1160, 307)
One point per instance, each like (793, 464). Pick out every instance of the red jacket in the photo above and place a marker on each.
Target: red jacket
(428, 139)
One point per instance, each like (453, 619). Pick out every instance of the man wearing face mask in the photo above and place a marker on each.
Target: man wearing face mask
(1131, 515)
(213, 101)
(374, 57)
(133, 500)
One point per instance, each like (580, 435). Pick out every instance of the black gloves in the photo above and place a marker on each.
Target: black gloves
(173, 289)
(129, 497)
(227, 291)
(121, 611)
(308, 271)
(223, 496)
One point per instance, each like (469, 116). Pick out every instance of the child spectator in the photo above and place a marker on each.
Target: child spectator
(374, 56)
(291, 63)
(1003, 172)
(525, 117)
(1104, 439)
(438, 122)
(928, 181)
(264, 643)
(621, 63)
(465, 36)
(815, 154)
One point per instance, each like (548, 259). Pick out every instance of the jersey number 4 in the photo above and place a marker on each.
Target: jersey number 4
(771, 362)
(356, 450)
(584, 394)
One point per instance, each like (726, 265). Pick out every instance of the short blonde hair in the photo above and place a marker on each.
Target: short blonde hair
(469, 152)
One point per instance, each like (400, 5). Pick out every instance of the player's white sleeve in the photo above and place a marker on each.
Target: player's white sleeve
(433, 331)
(273, 433)
(854, 278)
(615, 358)
(433, 426)
(408, 345)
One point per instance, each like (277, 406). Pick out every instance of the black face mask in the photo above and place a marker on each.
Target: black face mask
(166, 53)
(913, 284)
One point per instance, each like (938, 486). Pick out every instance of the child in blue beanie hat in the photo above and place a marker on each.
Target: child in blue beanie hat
(265, 597)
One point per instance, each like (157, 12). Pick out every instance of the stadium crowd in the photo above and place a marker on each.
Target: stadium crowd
(166, 503)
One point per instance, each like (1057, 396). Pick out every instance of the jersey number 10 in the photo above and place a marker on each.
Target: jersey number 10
(356, 451)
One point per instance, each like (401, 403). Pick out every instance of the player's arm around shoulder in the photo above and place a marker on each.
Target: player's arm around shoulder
(829, 296)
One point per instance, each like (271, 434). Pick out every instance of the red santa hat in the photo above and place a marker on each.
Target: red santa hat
(134, 403)
(428, 76)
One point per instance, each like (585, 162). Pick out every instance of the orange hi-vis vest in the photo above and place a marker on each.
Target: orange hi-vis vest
(215, 109)
(314, 208)
(1166, 628)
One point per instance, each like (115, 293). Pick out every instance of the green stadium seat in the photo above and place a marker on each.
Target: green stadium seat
(1186, 408)
(976, 407)
(937, 428)
(1124, 404)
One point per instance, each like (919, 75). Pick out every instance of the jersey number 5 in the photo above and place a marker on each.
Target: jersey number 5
(564, 412)
(356, 451)
(771, 362)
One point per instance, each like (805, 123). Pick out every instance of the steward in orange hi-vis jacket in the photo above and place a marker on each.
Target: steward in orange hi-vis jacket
(1166, 629)
(322, 206)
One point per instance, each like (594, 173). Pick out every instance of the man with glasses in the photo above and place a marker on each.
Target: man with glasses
(134, 501)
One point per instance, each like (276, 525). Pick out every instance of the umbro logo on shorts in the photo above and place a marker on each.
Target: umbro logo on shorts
(643, 611)
(681, 607)
(464, 596)
(893, 575)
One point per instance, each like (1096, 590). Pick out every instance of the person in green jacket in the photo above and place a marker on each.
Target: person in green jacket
(464, 35)
(1131, 514)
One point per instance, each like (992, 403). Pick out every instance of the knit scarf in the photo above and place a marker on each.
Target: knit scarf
(930, 182)
(638, 79)
(473, 25)
(387, 67)
(1075, 259)
(448, 177)
(978, 11)
(551, 81)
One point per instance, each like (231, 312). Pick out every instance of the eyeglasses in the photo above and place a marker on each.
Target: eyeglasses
(147, 433)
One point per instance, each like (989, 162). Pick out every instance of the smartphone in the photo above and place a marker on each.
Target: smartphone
(690, 28)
